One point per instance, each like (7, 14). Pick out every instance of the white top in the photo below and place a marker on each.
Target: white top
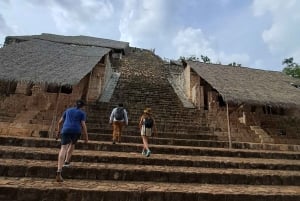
(112, 116)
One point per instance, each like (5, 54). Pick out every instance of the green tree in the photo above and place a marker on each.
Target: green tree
(190, 58)
(235, 64)
(292, 69)
(205, 59)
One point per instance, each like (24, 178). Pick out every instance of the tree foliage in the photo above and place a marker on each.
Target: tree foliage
(205, 59)
(292, 69)
(235, 64)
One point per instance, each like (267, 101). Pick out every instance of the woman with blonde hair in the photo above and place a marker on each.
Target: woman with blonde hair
(148, 128)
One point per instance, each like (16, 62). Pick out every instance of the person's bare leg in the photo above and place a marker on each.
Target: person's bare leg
(145, 142)
(61, 158)
(146, 145)
(70, 150)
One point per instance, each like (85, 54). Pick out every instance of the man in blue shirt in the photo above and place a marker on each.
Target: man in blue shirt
(69, 127)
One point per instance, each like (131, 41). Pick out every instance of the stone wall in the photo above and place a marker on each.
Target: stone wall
(196, 90)
(38, 111)
(108, 71)
(96, 82)
(276, 122)
(257, 126)
(186, 81)
(30, 108)
(177, 75)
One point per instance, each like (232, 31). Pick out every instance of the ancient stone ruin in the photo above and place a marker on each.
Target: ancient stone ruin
(224, 132)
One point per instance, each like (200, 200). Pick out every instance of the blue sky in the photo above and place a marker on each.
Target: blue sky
(256, 33)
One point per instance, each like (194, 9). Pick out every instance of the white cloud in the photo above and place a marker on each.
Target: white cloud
(68, 17)
(4, 27)
(149, 24)
(5, 30)
(78, 16)
(143, 22)
(282, 37)
(242, 59)
(257, 62)
(193, 42)
(260, 7)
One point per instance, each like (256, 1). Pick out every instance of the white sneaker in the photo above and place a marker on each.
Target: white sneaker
(148, 153)
(67, 164)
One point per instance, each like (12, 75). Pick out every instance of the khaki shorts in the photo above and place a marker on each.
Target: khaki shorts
(146, 131)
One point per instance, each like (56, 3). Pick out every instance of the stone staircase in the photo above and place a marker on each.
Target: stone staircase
(189, 160)
(144, 83)
(102, 171)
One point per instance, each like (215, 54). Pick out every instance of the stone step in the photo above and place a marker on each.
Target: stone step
(135, 115)
(7, 114)
(98, 128)
(161, 149)
(163, 108)
(194, 124)
(181, 121)
(202, 139)
(185, 140)
(135, 158)
(134, 172)
(159, 109)
(167, 120)
(194, 143)
(6, 119)
(170, 126)
(197, 135)
(72, 189)
(170, 139)
(157, 112)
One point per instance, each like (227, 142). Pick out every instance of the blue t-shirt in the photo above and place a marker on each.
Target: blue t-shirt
(72, 120)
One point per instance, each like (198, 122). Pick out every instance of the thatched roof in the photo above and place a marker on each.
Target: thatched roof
(43, 61)
(76, 40)
(251, 86)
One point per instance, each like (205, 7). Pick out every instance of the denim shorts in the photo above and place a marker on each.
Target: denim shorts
(68, 138)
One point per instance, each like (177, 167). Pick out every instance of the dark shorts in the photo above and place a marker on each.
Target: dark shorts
(68, 138)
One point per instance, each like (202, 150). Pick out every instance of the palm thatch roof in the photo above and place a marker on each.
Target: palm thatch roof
(245, 85)
(48, 62)
(76, 40)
